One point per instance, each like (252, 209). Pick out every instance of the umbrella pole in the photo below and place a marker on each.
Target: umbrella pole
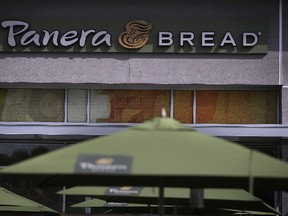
(161, 211)
(251, 180)
(196, 200)
(175, 207)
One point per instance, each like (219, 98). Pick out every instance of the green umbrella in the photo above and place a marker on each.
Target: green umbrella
(245, 212)
(35, 209)
(100, 206)
(10, 201)
(158, 152)
(101, 203)
(213, 198)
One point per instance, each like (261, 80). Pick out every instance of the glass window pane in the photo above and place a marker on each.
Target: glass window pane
(77, 105)
(132, 106)
(183, 106)
(237, 107)
(11, 153)
(32, 105)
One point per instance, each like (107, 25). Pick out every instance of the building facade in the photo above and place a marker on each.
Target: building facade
(73, 70)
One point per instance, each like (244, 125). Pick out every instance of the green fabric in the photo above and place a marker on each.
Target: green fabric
(9, 200)
(100, 203)
(164, 148)
(25, 209)
(90, 203)
(245, 212)
(213, 198)
(209, 193)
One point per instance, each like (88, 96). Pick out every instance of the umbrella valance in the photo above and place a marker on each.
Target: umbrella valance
(157, 152)
(213, 198)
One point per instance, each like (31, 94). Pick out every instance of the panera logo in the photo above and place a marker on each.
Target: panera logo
(126, 188)
(104, 161)
(136, 34)
(124, 191)
(103, 164)
(116, 204)
(172, 36)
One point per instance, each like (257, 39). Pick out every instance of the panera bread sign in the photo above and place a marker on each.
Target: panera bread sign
(164, 36)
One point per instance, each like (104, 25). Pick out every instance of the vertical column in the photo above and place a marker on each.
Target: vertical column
(284, 143)
(284, 5)
(285, 42)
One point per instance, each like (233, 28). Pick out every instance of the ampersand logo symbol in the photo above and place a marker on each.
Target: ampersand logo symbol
(136, 34)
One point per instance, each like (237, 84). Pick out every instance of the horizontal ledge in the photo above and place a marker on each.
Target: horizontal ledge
(80, 131)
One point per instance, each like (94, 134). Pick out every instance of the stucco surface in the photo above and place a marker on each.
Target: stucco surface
(155, 69)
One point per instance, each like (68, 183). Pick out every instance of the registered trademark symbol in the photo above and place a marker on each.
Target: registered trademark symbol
(259, 33)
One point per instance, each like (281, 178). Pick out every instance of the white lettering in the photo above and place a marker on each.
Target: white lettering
(11, 33)
(116, 191)
(84, 165)
(206, 38)
(250, 35)
(228, 39)
(29, 37)
(69, 38)
(106, 38)
(48, 35)
(19, 32)
(84, 35)
(102, 167)
(19, 28)
(188, 37)
(165, 39)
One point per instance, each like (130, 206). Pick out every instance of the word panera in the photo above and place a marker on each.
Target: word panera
(136, 35)
(124, 191)
(102, 167)
(20, 29)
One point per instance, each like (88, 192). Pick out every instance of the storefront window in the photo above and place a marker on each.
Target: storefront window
(32, 105)
(77, 105)
(237, 107)
(127, 106)
(183, 106)
(11, 153)
(136, 106)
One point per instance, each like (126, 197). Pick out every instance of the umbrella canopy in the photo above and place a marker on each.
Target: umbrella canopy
(101, 203)
(213, 198)
(10, 201)
(101, 207)
(152, 209)
(157, 152)
(245, 212)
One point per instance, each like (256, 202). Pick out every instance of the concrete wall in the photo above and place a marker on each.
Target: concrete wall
(143, 68)
(285, 42)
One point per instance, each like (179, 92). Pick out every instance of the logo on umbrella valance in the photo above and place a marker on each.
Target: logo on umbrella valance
(113, 164)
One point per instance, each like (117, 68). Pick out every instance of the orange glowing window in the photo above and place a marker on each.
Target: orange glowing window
(183, 106)
(124, 106)
(236, 107)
